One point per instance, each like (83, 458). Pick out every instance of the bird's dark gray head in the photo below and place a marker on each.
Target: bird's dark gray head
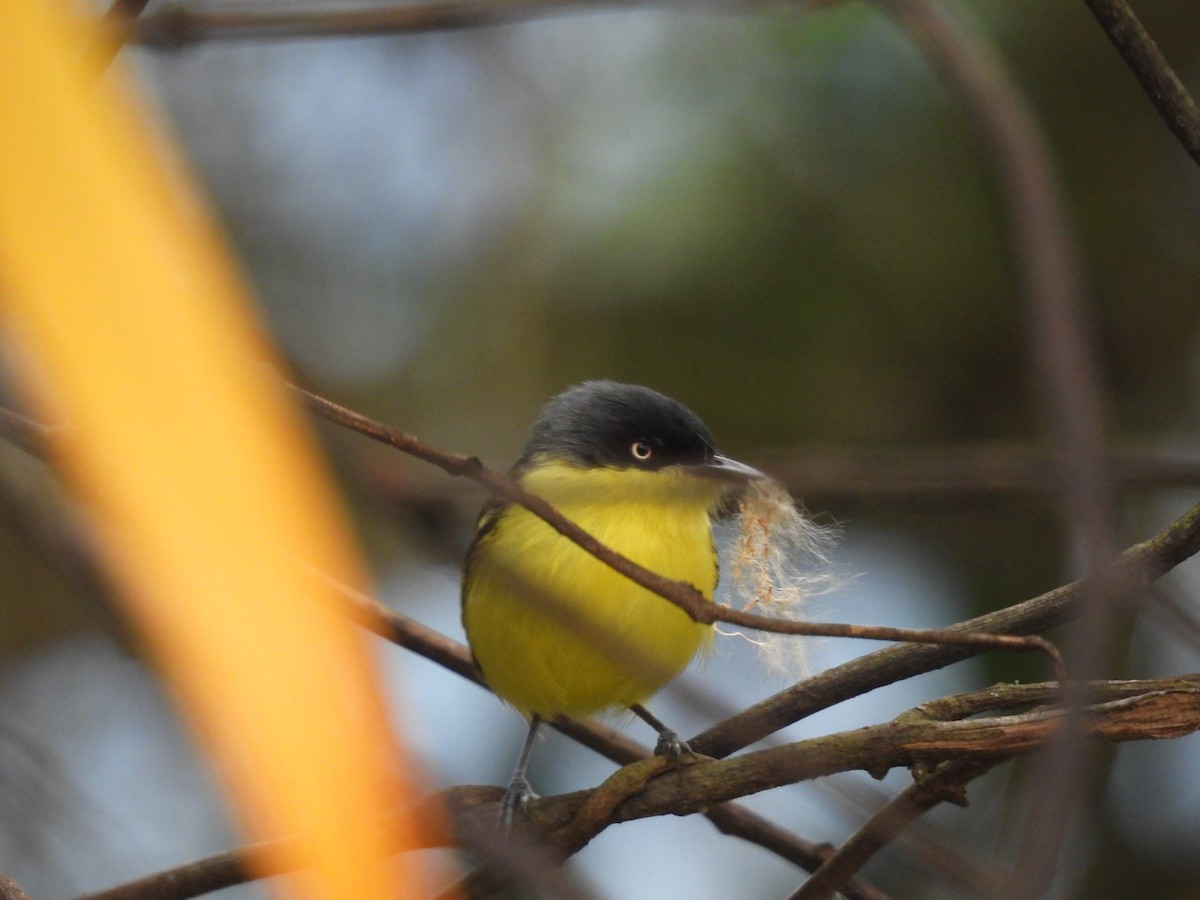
(602, 423)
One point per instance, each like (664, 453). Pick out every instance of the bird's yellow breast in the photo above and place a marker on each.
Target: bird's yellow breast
(553, 628)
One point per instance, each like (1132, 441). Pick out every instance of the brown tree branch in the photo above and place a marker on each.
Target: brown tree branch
(686, 597)
(229, 868)
(960, 472)
(1136, 568)
(737, 821)
(1166, 709)
(175, 25)
(9, 889)
(729, 818)
(1149, 710)
(115, 28)
(1141, 563)
(1151, 68)
(193, 879)
(947, 782)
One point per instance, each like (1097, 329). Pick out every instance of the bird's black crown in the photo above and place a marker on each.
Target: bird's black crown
(603, 423)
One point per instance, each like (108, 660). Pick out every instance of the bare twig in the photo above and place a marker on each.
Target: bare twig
(734, 819)
(225, 869)
(729, 818)
(192, 879)
(1137, 567)
(960, 472)
(948, 782)
(682, 595)
(1160, 82)
(175, 25)
(116, 27)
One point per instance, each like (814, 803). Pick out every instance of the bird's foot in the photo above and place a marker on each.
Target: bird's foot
(517, 797)
(671, 746)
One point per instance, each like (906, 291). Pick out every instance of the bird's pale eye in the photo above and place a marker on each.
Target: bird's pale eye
(641, 450)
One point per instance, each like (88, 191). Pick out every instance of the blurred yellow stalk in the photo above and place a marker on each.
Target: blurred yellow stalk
(129, 325)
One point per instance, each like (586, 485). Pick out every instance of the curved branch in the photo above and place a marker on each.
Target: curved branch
(195, 878)
(729, 818)
(683, 595)
(948, 782)
(1166, 709)
(1142, 711)
(1136, 568)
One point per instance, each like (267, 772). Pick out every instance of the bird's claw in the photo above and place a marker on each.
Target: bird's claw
(517, 797)
(671, 746)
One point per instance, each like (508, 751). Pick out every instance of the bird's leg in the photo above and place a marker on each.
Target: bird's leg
(670, 744)
(519, 792)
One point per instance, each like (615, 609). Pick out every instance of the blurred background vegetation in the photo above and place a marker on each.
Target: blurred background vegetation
(775, 214)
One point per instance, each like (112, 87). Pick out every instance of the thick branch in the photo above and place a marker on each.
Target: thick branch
(9, 889)
(1156, 714)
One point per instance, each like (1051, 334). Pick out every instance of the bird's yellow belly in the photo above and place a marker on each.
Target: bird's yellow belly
(585, 638)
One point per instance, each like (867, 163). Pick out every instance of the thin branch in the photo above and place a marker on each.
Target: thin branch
(682, 595)
(229, 868)
(1043, 249)
(1157, 78)
(115, 28)
(193, 879)
(1143, 711)
(736, 820)
(1136, 568)
(947, 783)
(189, 880)
(25, 433)
(175, 25)
(729, 818)
(1066, 376)
(952, 472)
(960, 472)
(935, 847)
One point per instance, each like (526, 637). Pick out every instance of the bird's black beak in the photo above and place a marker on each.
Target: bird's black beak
(723, 468)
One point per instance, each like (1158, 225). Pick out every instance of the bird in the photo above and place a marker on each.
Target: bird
(554, 630)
